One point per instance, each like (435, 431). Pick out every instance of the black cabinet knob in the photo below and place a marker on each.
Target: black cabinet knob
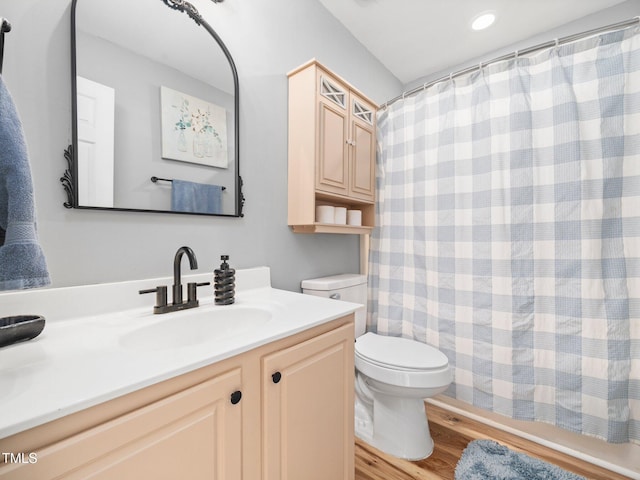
(235, 397)
(276, 377)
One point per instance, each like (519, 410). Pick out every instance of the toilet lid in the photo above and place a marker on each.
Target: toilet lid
(399, 352)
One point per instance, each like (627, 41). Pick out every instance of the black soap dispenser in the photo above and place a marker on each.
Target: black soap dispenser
(224, 283)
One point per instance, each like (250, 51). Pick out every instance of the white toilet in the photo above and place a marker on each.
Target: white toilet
(393, 377)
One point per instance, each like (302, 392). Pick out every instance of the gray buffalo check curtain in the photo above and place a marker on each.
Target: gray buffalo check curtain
(508, 233)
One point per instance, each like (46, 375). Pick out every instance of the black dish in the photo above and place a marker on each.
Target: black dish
(20, 328)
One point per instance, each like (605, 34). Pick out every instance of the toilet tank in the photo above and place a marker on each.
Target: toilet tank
(349, 287)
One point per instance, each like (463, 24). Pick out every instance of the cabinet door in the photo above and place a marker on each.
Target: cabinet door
(194, 434)
(332, 168)
(308, 409)
(363, 150)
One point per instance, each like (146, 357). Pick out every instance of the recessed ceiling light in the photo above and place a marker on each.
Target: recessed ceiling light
(483, 20)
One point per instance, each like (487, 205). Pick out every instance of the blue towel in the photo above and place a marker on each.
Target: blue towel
(195, 197)
(22, 262)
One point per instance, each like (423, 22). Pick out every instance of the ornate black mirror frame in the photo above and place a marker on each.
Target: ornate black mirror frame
(69, 179)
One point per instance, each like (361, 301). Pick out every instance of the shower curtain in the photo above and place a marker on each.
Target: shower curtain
(508, 233)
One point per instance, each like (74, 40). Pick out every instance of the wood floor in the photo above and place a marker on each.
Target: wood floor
(451, 435)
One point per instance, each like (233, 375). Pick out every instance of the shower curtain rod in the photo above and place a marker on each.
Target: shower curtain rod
(509, 56)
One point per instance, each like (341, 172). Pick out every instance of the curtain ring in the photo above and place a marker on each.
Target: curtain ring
(516, 54)
(424, 87)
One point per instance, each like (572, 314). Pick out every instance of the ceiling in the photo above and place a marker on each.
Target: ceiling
(415, 38)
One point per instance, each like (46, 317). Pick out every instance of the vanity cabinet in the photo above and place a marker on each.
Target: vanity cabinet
(308, 409)
(331, 149)
(229, 421)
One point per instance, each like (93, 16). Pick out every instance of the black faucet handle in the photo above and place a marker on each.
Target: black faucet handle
(192, 295)
(161, 294)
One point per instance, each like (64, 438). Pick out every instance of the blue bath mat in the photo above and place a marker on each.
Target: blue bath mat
(488, 460)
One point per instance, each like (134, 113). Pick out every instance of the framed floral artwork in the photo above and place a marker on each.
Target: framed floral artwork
(193, 130)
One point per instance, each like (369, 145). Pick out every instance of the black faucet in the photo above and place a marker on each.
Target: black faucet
(161, 291)
(177, 260)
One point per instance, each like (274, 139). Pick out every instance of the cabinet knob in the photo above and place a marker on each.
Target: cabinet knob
(276, 377)
(235, 397)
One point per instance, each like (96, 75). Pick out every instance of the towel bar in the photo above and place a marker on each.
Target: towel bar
(155, 179)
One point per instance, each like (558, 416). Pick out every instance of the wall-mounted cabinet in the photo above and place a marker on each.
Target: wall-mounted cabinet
(331, 150)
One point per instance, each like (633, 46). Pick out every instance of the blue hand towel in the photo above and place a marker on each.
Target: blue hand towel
(22, 262)
(195, 197)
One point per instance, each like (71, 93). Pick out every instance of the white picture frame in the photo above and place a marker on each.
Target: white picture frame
(193, 130)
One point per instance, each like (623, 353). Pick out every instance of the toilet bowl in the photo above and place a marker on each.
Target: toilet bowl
(393, 377)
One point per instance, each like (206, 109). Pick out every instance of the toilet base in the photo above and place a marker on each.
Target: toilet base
(401, 428)
(397, 426)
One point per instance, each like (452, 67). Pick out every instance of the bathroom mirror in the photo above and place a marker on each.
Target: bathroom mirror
(154, 111)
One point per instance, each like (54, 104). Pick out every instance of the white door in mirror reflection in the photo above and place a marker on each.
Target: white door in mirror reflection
(96, 111)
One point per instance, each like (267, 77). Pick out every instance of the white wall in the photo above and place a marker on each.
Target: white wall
(266, 39)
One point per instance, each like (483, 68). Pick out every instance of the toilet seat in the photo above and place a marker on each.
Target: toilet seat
(398, 352)
(401, 362)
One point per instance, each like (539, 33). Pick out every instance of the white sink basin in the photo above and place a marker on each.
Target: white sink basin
(193, 327)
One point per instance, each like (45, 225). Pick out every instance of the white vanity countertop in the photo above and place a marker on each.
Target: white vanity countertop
(81, 361)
